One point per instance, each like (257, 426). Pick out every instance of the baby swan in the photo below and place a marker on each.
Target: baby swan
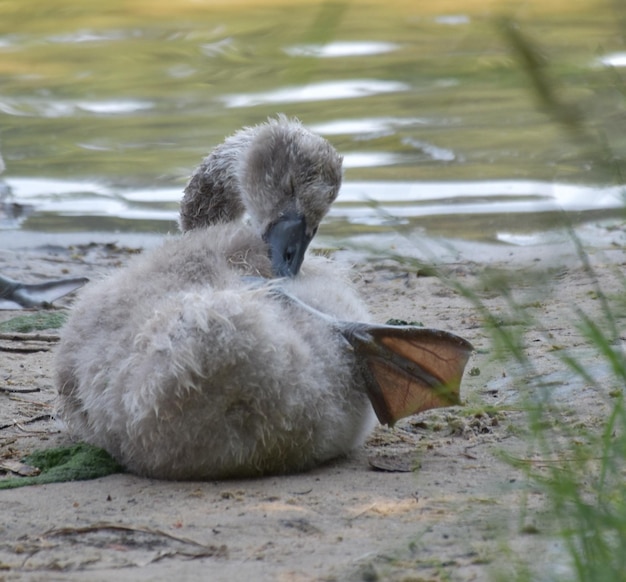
(284, 176)
(192, 363)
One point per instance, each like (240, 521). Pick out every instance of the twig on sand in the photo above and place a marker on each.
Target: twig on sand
(207, 551)
(16, 336)
(17, 424)
(19, 468)
(24, 350)
(26, 343)
(18, 390)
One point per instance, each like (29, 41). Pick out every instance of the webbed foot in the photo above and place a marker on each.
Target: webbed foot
(408, 369)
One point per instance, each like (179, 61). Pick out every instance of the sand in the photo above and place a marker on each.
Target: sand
(447, 507)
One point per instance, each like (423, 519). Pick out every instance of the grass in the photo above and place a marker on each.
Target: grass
(35, 322)
(579, 465)
(580, 468)
(583, 473)
(70, 463)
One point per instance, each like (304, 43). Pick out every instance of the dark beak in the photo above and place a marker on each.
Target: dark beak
(288, 241)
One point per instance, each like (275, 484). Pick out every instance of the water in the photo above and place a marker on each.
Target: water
(105, 110)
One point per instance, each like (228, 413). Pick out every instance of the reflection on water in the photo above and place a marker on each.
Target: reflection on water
(342, 49)
(104, 114)
(47, 108)
(325, 91)
(367, 127)
(613, 60)
(383, 205)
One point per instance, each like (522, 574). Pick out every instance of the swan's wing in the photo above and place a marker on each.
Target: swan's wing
(15, 295)
(408, 369)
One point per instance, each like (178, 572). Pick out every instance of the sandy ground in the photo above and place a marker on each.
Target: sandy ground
(446, 510)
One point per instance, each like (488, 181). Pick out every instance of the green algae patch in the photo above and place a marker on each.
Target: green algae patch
(35, 322)
(72, 463)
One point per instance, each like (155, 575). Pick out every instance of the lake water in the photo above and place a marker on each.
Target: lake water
(106, 108)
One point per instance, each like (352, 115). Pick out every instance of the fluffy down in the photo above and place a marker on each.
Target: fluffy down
(182, 369)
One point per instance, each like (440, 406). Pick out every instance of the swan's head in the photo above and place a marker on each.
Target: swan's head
(288, 179)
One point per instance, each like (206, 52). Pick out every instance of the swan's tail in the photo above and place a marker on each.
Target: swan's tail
(408, 369)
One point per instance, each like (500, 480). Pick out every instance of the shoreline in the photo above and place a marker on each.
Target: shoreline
(606, 235)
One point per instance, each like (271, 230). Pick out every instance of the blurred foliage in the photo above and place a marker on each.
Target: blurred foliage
(579, 467)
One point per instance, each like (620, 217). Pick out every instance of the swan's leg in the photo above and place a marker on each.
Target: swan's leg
(406, 369)
(279, 292)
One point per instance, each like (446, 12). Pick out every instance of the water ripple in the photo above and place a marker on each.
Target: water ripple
(33, 188)
(453, 19)
(371, 159)
(342, 49)
(324, 91)
(51, 108)
(613, 60)
(87, 36)
(114, 107)
(433, 152)
(217, 48)
(365, 203)
(571, 197)
(368, 125)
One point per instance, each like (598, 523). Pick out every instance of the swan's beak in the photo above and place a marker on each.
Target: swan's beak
(288, 240)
